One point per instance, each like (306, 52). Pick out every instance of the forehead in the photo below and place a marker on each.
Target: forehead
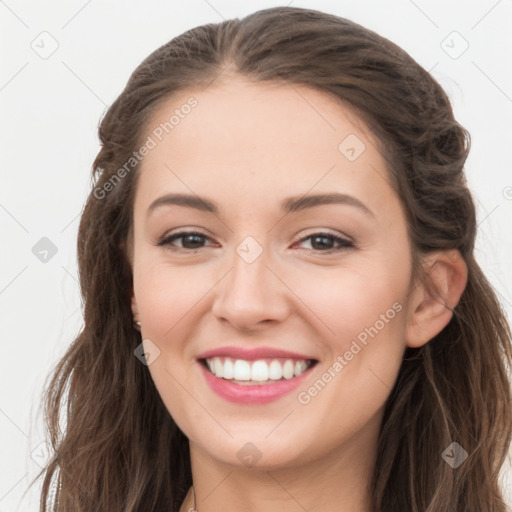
(262, 140)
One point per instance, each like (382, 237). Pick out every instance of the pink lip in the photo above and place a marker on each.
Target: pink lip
(261, 394)
(251, 354)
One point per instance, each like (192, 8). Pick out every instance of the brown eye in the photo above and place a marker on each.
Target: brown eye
(326, 242)
(189, 240)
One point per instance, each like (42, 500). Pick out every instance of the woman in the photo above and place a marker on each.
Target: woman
(282, 306)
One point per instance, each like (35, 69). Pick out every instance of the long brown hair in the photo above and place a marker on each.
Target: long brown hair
(120, 449)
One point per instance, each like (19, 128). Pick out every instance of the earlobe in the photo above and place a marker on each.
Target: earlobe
(432, 302)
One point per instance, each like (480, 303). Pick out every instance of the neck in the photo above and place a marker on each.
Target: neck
(338, 481)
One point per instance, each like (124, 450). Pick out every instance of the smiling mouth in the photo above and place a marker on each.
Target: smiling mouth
(258, 372)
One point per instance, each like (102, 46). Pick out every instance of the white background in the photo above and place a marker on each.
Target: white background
(50, 109)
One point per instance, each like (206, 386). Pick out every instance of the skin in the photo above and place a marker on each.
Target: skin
(248, 146)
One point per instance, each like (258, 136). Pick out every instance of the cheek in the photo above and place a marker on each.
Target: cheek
(350, 300)
(365, 307)
(166, 295)
(363, 311)
(366, 313)
(169, 299)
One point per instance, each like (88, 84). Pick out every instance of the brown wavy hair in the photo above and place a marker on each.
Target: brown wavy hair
(120, 449)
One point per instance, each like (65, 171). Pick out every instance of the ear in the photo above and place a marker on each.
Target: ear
(433, 300)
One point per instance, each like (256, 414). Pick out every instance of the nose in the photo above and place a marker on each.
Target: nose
(252, 295)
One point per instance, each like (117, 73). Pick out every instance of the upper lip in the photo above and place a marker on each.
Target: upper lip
(252, 354)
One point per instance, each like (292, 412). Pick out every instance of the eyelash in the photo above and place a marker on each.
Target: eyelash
(167, 241)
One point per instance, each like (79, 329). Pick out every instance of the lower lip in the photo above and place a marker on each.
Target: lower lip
(252, 394)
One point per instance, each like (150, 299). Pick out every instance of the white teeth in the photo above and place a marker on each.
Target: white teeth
(241, 371)
(259, 371)
(256, 371)
(218, 366)
(288, 370)
(228, 372)
(275, 370)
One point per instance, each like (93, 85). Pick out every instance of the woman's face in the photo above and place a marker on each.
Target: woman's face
(301, 246)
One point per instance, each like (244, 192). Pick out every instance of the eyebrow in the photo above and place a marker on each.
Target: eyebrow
(289, 205)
